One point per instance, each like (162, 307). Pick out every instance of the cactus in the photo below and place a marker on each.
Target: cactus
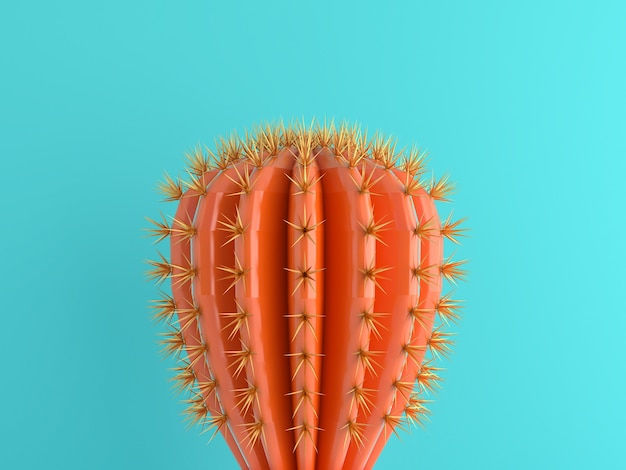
(306, 307)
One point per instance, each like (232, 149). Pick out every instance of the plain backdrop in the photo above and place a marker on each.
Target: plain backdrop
(523, 103)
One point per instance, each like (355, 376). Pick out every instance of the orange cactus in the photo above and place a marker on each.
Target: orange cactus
(306, 273)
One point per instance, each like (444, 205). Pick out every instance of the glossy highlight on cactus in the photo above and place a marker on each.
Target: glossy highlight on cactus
(306, 308)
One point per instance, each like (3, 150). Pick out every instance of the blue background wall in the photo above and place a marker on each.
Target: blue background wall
(522, 102)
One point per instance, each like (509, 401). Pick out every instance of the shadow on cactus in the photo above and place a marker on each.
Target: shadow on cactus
(306, 308)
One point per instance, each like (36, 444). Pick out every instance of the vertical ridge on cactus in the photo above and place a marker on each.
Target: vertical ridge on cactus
(215, 292)
(306, 268)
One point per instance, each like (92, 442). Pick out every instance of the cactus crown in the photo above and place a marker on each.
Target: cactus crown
(348, 142)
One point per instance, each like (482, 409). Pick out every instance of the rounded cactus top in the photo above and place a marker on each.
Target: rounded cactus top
(348, 142)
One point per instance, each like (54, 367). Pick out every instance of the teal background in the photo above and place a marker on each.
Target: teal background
(523, 103)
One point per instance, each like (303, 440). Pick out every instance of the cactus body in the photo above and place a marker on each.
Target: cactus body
(306, 271)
